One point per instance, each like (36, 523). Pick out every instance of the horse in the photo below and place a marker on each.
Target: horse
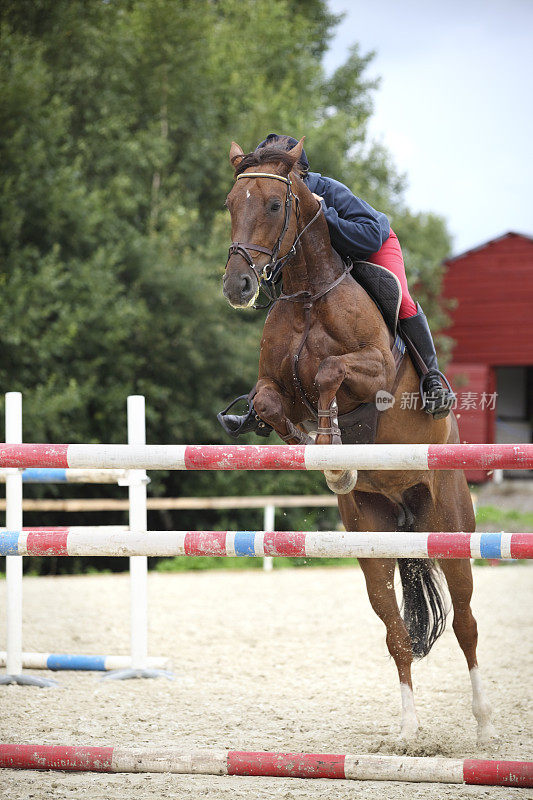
(326, 347)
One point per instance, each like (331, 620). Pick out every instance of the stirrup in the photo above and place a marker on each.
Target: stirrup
(249, 422)
(439, 406)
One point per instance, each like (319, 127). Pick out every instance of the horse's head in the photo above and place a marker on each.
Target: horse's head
(263, 219)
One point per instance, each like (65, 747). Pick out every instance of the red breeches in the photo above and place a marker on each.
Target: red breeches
(390, 256)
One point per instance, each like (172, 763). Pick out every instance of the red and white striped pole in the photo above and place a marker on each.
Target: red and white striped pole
(276, 457)
(263, 764)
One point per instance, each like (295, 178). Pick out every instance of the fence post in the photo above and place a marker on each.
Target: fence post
(14, 523)
(138, 522)
(14, 563)
(269, 524)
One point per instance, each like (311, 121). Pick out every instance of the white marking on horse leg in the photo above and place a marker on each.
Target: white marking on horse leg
(409, 718)
(481, 708)
(341, 482)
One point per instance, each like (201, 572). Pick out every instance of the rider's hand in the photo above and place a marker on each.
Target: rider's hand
(317, 197)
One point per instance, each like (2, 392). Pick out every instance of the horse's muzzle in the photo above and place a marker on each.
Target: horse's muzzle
(240, 289)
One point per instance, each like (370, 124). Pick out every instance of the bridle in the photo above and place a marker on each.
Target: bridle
(273, 267)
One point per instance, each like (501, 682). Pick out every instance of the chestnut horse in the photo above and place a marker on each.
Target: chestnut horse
(344, 360)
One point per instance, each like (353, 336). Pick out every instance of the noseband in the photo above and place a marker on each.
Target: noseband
(275, 264)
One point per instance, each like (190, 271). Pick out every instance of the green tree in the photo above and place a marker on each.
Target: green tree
(116, 120)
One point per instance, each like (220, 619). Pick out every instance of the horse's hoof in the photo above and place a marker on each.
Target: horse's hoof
(343, 483)
(486, 734)
(409, 730)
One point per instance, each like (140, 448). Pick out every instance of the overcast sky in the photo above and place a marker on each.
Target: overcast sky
(455, 105)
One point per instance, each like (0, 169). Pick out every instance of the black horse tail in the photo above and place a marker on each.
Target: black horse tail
(424, 608)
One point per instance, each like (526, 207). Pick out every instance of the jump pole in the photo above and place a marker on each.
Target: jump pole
(50, 475)
(82, 663)
(275, 457)
(310, 544)
(275, 765)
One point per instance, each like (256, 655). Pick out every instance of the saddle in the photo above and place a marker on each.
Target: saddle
(384, 289)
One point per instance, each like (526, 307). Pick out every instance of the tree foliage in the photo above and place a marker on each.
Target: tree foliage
(115, 119)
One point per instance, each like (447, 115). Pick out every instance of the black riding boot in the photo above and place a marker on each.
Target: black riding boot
(436, 399)
(237, 424)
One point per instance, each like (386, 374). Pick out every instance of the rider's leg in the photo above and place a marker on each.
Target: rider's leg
(438, 399)
(390, 256)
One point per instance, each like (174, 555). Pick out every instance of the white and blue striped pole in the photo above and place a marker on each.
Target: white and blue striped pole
(59, 475)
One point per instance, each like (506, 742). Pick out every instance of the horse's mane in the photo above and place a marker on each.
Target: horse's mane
(265, 155)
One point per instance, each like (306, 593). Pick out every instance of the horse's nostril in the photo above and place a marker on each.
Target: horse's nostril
(246, 284)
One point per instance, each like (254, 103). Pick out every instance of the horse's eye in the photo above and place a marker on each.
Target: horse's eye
(275, 206)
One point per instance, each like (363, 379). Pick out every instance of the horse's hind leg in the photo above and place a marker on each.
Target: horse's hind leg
(460, 583)
(361, 511)
(379, 577)
(443, 515)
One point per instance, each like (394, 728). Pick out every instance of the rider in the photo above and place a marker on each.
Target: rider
(358, 232)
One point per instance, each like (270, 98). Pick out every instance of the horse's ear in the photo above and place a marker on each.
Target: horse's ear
(236, 154)
(296, 151)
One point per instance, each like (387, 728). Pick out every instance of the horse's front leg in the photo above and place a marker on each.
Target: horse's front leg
(274, 409)
(363, 373)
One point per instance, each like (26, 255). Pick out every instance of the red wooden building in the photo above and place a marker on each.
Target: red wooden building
(492, 325)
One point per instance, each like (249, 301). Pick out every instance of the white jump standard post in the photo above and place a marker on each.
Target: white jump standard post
(137, 481)
(269, 524)
(14, 672)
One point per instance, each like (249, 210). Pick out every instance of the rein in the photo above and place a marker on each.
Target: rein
(273, 267)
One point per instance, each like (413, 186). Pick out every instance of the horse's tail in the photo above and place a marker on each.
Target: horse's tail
(424, 608)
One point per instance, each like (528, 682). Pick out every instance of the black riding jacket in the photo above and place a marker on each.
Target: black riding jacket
(356, 229)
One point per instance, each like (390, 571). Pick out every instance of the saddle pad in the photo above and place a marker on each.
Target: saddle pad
(384, 289)
(360, 425)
